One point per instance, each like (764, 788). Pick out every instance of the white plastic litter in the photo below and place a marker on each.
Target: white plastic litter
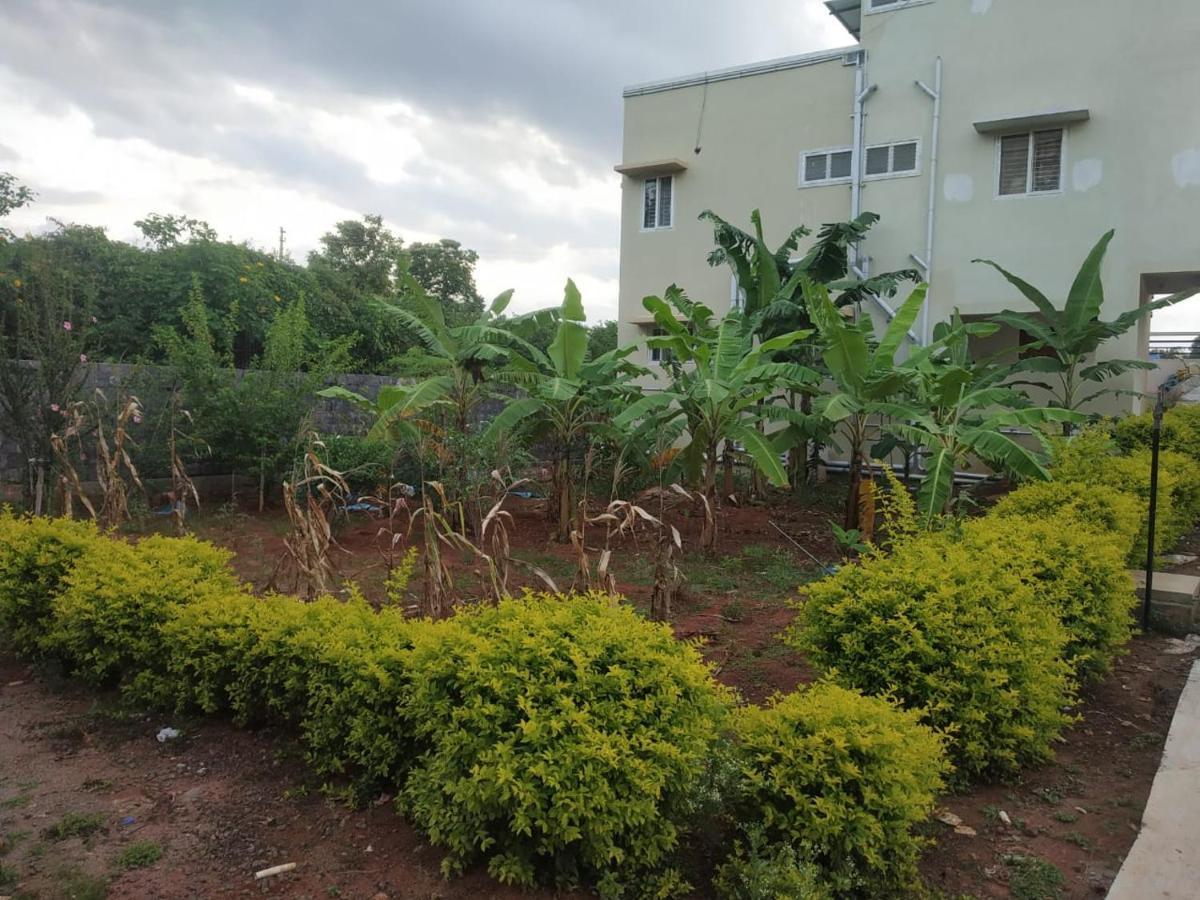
(167, 734)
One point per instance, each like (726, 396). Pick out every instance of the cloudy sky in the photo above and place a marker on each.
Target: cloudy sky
(495, 122)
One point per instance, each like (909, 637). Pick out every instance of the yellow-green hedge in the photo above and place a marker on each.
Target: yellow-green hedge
(841, 779)
(1103, 510)
(957, 635)
(1079, 572)
(35, 556)
(1180, 431)
(563, 742)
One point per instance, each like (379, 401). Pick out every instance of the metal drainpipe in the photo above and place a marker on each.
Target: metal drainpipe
(935, 94)
(861, 93)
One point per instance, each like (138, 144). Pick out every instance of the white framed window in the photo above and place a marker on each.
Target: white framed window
(658, 202)
(660, 355)
(893, 160)
(1030, 163)
(832, 166)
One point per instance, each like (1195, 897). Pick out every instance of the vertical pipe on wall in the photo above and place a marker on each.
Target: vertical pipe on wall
(935, 93)
(861, 93)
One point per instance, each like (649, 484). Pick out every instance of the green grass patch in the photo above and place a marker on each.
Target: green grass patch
(73, 825)
(139, 855)
(1030, 878)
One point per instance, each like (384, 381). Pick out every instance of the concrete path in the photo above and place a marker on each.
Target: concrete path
(1165, 859)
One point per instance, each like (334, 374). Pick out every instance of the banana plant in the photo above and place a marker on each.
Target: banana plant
(863, 369)
(1075, 333)
(569, 398)
(722, 384)
(958, 409)
(774, 301)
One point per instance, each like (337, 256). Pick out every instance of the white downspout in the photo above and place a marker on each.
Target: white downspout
(861, 93)
(935, 93)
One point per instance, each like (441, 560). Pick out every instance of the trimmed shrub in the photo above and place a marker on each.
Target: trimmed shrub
(107, 621)
(563, 737)
(955, 635)
(1180, 431)
(842, 779)
(335, 669)
(1078, 571)
(35, 556)
(1100, 509)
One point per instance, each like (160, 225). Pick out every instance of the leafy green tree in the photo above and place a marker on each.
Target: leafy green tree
(165, 231)
(602, 338)
(13, 195)
(722, 384)
(366, 254)
(1074, 333)
(570, 397)
(446, 270)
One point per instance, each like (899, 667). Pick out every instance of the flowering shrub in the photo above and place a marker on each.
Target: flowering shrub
(562, 736)
(841, 780)
(36, 554)
(954, 634)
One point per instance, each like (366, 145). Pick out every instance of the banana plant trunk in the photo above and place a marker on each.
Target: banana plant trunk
(857, 440)
(562, 490)
(708, 535)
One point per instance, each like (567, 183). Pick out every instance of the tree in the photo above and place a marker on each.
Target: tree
(722, 383)
(570, 397)
(864, 370)
(165, 231)
(602, 338)
(771, 282)
(958, 409)
(13, 195)
(365, 255)
(1075, 333)
(446, 270)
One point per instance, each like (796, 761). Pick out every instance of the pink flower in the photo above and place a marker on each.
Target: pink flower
(66, 326)
(137, 420)
(83, 357)
(53, 407)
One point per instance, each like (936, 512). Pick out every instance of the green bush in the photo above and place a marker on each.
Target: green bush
(107, 621)
(960, 637)
(36, 553)
(842, 779)
(1098, 508)
(1079, 571)
(563, 737)
(369, 466)
(759, 869)
(1180, 431)
(335, 669)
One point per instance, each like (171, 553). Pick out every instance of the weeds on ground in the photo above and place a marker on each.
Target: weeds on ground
(139, 855)
(1030, 878)
(72, 825)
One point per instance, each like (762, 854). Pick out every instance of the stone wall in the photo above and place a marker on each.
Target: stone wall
(330, 416)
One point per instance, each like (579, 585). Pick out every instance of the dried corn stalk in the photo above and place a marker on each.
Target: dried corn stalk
(70, 487)
(310, 504)
(114, 491)
(182, 485)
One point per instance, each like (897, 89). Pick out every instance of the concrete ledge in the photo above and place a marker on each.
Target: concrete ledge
(1174, 602)
(1165, 859)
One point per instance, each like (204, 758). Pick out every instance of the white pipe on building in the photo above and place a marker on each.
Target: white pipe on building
(935, 94)
(861, 93)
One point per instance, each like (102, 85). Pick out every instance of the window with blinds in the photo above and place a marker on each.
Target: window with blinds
(658, 207)
(1031, 163)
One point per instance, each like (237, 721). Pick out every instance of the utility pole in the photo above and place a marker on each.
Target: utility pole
(281, 235)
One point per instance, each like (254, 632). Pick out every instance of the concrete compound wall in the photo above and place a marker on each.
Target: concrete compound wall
(330, 416)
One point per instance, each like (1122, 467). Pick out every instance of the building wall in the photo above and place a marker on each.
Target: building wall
(1134, 166)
